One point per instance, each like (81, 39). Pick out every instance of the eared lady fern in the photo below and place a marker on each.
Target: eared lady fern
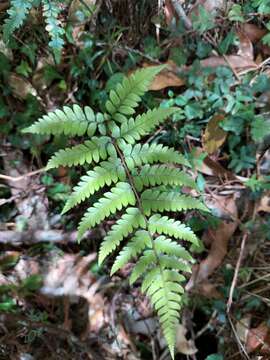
(142, 179)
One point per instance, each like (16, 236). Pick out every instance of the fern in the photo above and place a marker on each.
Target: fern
(51, 11)
(16, 15)
(139, 180)
(18, 12)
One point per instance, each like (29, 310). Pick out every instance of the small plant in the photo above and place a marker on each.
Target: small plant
(19, 11)
(144, 177)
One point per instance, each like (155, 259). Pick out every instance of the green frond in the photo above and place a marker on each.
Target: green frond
(107, 173)
(51, 11)
(132, 130)
(156, 200)
(163, 225)
(119, 196)
(73, 121)
(147, 260)
(148, 154)
(17, 13)
(152, 175)
(164, 290)
(135, 246)
(169, 247)
(130, 220)
(127, 94)
(90, 150)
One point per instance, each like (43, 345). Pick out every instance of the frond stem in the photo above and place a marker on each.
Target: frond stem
(139, 203)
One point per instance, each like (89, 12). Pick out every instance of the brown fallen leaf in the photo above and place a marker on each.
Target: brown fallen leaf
(169, 12)
(20, 86)
(214, 136)
(253, 32)
(258, 339)
(211, 167)
(217, 238)
(264, 203)
(184, 346)
(209, 5)
(237, 62)
(208, 290)
(245, 46)
(242, 328)
(166, 77)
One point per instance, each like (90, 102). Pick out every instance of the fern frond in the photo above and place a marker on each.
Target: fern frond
(162, 175)
(129, 221)
(119, 196)
(90, 150)
(51, 11)
(69, 121)
(18, 11)
(130, 167)
(163, 225)
(107, 173)
(134, 247)
(149, 154)
(156, 200)
(127, 95)
(132, 130)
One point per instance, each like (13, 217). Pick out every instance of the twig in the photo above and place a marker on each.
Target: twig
(181, 13)
(21, 177)
(241, 346)
(235, 276)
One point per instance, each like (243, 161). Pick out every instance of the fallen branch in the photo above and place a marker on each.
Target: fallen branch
(16, 238)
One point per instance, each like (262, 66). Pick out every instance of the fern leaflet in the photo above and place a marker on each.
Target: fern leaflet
(69, 121)
(119, 196)
(90, 150)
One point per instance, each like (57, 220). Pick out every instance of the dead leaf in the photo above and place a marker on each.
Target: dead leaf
(245, 46)
(211, 167)
(166, 77)
(209, 5)
(68, 276)
(258, 338)
(208, 290)
(264, 203)
(253, 32)
(169, 12)
(242, 328)
(20, 86)
(183, 345)
(237, 62)
(217, 238)
(214, 136)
